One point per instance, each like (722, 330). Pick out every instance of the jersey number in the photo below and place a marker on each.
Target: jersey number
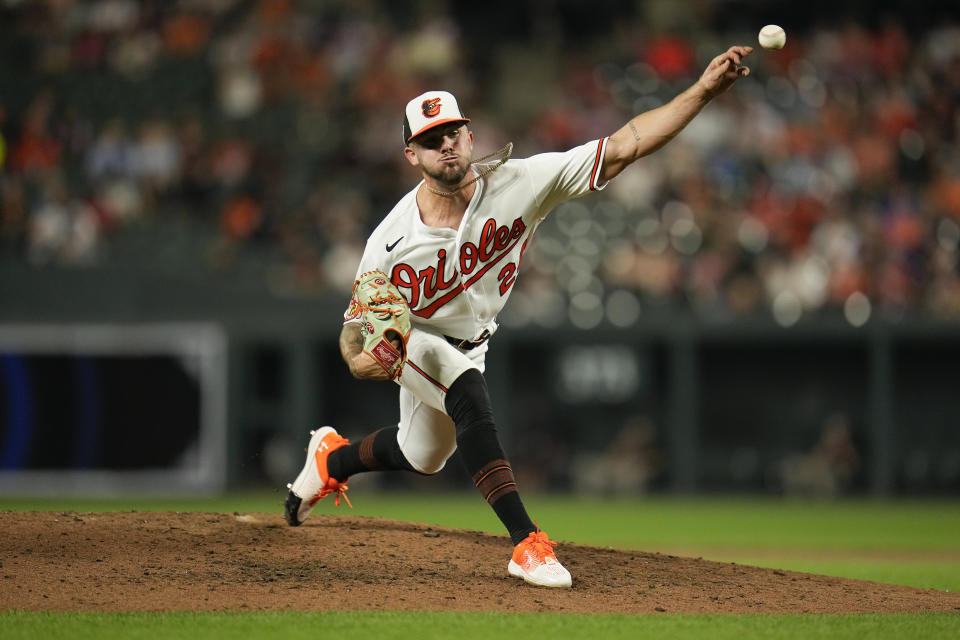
(508, 275)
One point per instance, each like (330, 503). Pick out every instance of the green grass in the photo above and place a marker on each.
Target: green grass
(928, 525)
(901, 542)
(481, 626)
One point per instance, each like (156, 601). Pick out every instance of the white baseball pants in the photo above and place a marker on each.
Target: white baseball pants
(427, 435)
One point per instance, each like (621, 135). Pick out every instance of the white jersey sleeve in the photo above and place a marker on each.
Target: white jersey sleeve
(561, 176)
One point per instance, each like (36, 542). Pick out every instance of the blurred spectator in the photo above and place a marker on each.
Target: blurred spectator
(184, 34)
(112, 153)
(832, 176)
(241, 217)
(62, 229)
(155, 157)
(671, 57)
(37, 150)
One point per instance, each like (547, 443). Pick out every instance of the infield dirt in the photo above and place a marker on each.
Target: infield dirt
(156, 561)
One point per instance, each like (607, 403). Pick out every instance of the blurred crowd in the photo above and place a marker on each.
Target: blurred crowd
(826, 182)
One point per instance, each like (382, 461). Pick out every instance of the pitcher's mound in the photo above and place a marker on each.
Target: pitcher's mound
(151, 561)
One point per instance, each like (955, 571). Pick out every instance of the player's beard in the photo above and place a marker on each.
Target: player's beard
(450, 175)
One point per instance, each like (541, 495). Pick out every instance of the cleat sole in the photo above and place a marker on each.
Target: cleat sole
(517, 571)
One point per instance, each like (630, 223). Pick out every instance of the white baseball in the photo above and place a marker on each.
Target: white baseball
(772, 37)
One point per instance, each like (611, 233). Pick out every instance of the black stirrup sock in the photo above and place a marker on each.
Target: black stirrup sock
(379, 451)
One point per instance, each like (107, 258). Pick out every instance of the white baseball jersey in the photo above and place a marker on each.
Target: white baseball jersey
(456, 281)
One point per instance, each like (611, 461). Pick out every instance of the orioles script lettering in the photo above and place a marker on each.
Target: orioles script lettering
(475, 259)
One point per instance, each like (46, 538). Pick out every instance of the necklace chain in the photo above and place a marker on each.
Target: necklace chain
(502, 155)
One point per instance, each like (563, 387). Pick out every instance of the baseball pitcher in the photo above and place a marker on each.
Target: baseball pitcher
(434, 275)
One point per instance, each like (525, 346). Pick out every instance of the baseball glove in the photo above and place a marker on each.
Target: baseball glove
(384, 320)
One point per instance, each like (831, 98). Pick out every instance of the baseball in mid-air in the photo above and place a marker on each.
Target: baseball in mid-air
(772, 37)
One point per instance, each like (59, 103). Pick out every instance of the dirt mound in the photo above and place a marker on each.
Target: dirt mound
(152, 561)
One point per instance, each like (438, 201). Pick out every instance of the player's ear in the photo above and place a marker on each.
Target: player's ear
(411, 156)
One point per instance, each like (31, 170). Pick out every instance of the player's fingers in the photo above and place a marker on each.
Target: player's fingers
(736, 53)
(734, 59)
(743, 71)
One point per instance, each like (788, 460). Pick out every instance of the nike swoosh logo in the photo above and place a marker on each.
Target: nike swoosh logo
(391, 246)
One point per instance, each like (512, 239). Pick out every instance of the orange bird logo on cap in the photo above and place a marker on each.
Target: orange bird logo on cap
(431, 107)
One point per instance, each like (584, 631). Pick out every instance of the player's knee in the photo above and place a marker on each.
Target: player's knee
(430, 457)
(468, 402)
(430, 468)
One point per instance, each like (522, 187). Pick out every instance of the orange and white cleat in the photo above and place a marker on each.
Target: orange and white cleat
(314, 483)
(534, 561)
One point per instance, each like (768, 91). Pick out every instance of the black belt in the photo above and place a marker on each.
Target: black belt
(466, 345)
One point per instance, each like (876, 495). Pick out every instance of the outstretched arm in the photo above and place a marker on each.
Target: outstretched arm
(649, 131)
